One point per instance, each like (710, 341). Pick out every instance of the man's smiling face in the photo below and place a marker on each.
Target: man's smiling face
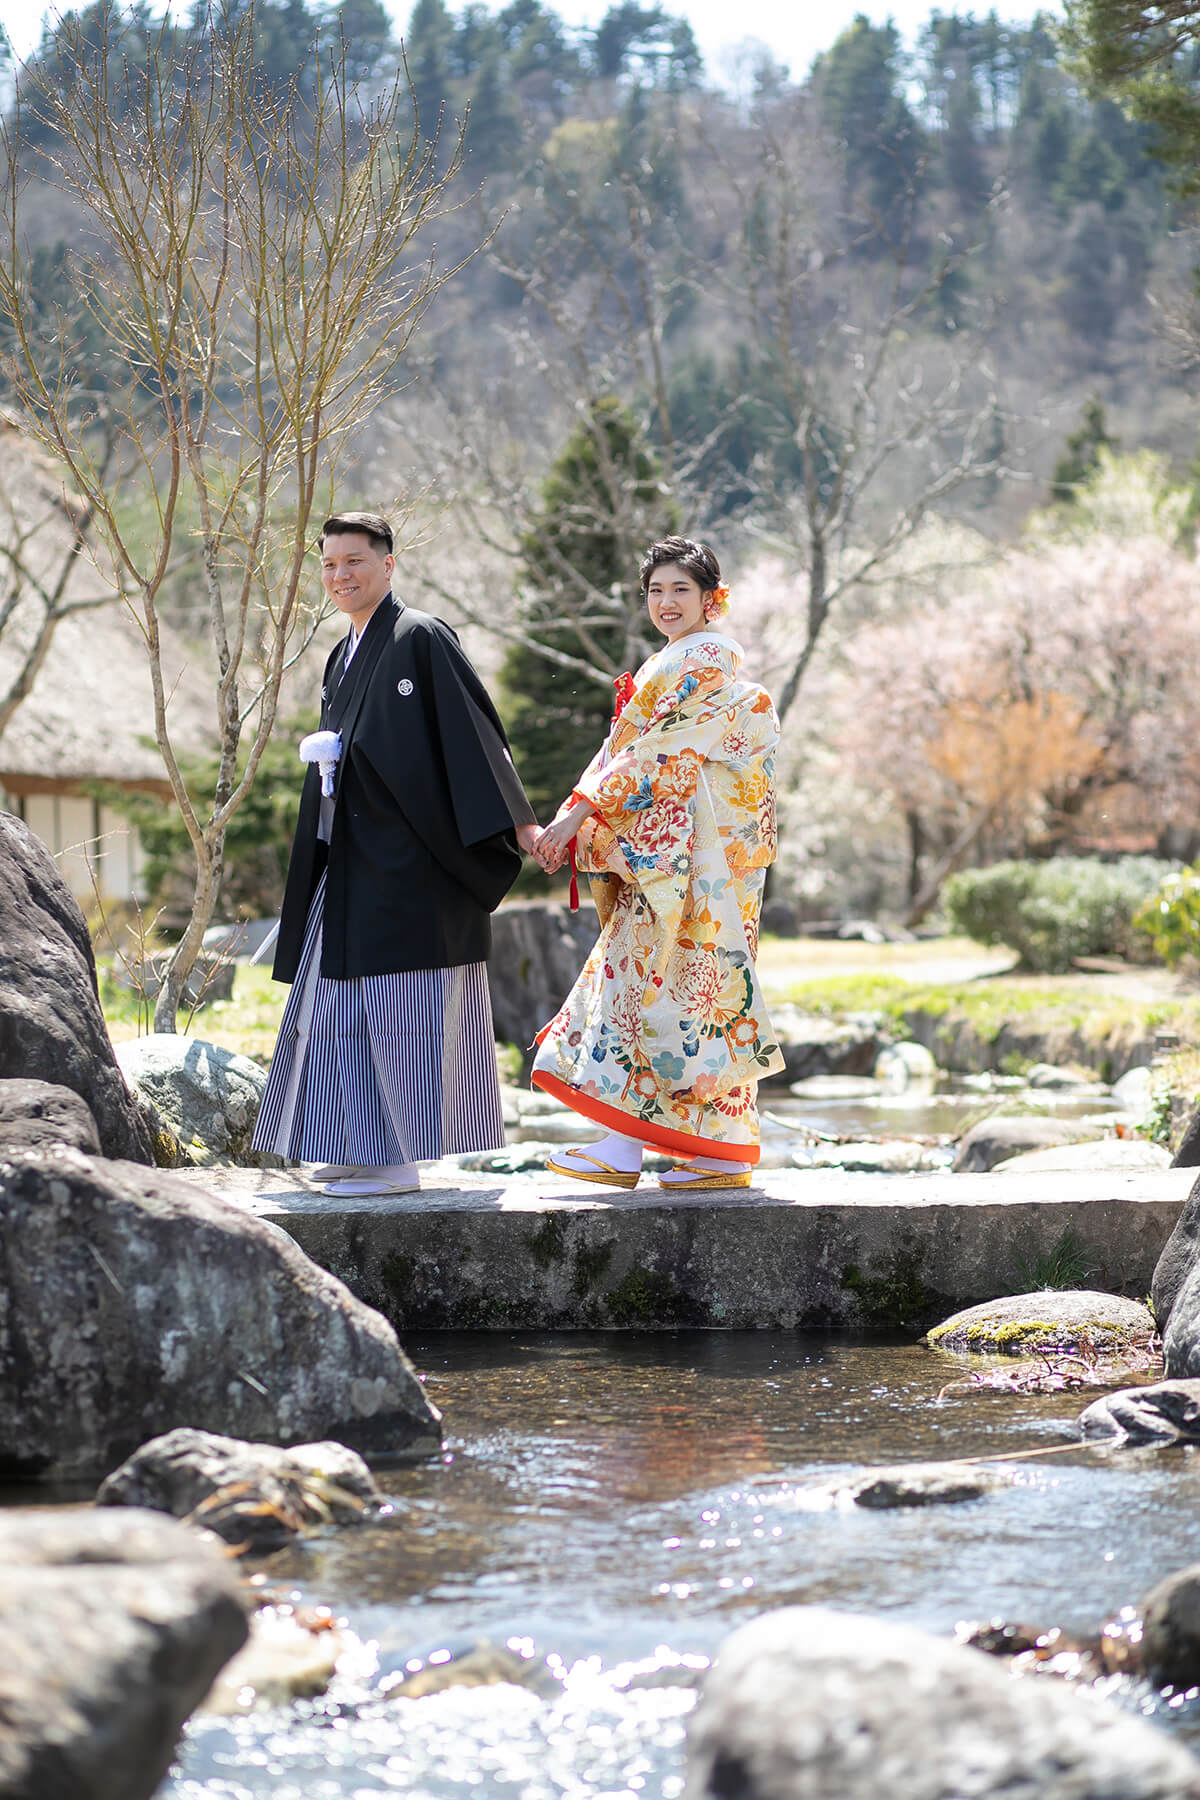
(355, 573)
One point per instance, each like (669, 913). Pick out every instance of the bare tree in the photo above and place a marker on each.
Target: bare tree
(870, 375)
(248, 255)
(843, 345)
(581, 369)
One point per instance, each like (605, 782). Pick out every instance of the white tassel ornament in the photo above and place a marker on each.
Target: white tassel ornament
(323, 748)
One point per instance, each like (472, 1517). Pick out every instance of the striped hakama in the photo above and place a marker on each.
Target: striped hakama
(381, 1069)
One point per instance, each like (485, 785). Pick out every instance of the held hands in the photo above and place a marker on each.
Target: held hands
(553, 844)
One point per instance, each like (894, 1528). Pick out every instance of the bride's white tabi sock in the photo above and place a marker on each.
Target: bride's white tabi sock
(621, 1153)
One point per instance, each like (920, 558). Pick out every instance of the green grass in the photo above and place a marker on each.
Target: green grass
(248, 1023)
(989, 1005)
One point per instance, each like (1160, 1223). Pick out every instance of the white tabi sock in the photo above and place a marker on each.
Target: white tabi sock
(621, 1153)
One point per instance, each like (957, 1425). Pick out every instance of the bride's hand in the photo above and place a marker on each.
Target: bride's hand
(553, 844)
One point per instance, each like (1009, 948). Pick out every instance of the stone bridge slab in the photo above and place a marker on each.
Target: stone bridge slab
(808, 1250)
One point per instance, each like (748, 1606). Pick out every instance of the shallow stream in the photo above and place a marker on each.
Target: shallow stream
(617, 1499)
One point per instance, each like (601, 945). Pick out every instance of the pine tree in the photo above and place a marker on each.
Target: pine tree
(429, 48)
(860, 86)
(494, 134)
(601, 504)
(1082, 453)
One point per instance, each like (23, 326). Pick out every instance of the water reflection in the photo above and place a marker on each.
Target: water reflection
(614, 1497)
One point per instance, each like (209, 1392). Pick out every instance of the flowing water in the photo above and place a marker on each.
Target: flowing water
(609, 1507)
(945, 1111)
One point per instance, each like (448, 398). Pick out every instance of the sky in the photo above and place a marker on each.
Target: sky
(793, 30)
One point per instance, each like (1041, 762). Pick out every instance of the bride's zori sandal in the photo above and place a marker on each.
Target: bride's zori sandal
(600, 1172)
(691, 1176)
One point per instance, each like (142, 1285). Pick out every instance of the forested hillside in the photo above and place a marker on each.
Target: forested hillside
(843, 321)
(1031, 211)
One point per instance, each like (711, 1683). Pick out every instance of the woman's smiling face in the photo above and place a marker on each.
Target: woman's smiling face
(675, 601)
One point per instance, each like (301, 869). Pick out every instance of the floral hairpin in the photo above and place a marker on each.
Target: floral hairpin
(716, 604)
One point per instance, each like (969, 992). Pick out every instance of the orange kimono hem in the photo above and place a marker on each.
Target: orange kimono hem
(676, 1142)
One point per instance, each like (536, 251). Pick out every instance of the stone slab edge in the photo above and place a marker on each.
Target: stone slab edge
(818, 1250)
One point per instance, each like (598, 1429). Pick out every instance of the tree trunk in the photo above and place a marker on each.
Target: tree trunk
(209, 869)
(926, 897)
(916, 849)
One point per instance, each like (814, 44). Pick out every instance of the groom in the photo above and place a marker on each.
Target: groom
(386, 1055)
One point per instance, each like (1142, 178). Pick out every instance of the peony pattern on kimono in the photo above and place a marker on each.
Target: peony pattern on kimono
(666, 1030)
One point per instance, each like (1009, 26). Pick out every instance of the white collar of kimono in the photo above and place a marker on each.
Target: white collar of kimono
(356, 637)
(701, 637)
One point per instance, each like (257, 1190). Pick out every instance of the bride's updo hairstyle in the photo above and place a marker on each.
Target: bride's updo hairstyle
(697, 560)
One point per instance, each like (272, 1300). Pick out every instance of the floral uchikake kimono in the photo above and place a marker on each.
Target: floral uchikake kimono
(665, 1036)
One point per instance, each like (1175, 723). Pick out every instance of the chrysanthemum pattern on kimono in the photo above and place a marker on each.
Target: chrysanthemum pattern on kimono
(665, 1033)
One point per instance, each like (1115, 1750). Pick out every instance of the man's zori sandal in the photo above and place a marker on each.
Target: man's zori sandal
(600, 1172)
(689, 1175)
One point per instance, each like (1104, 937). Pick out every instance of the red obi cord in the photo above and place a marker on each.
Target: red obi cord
(624, 689)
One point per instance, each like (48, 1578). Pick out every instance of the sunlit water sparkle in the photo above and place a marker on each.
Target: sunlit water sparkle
(613, 1505)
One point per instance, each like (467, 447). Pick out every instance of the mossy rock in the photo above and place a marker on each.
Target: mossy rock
(1074, 1322)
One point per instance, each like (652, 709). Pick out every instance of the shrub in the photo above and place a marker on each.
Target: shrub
(1170, 918)
(1052, 912)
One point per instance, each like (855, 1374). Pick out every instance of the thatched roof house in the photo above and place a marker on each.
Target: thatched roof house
(90, 714)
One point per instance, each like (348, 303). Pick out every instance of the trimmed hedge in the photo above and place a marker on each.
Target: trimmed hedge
(1052, 912)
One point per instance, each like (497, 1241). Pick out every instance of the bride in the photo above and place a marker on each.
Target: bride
(664, 1037)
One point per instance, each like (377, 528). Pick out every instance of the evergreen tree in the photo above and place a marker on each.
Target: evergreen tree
(366, 31)
(1051, 148)
(477, 39)
(601, 504)
(1092, 171)
(648, 155)
(860, 86)
(1081, 456)
(537, 46)
(494, 134)
(1147, 56)
(663, 48)
(733, 407)
(429, 49)
(961, 152)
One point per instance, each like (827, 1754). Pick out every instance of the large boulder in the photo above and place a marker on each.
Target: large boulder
(1180, 1255)
(994, 1140)
(135, 1302)
(812, 1044)
(1181, 1337)
(1075, 1321)
(538, 949)
(36, 1115)
(253, 1495)
(51, 1025)
(1170, 1646)
(1130, 1155)
(1165, 1412)
(811, 1704)
(112, 1629)
(1188, 1154)
(208, 1097)
(906, 1065)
